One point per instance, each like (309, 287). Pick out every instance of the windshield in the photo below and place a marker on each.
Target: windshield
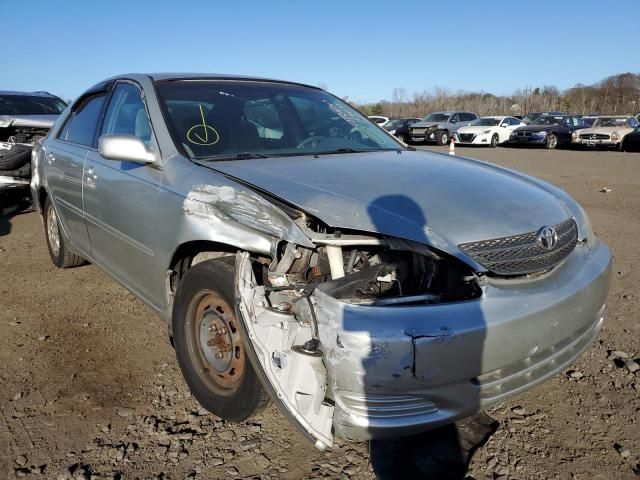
(610, 122)
(487, 121)
(547, 120)
(227, 119)
(30, 105)
(437, 117)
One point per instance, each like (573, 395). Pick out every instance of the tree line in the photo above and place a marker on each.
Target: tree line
(615, 95)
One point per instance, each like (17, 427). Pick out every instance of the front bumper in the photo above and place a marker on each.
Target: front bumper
(428, 136)
(598, 142)
(476, 139)
(396, 371)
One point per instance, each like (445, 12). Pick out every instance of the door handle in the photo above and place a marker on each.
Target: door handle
(90, 174)
(50, 157)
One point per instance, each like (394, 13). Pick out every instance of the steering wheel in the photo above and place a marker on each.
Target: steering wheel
(307, 141)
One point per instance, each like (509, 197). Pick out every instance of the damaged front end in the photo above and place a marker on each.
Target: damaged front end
(302, 342)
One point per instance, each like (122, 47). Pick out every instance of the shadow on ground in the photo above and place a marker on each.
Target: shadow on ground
(12, 204)
(442, 454)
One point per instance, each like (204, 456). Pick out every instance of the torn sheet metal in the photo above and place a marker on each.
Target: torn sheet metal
(297, 377)
(245, 207)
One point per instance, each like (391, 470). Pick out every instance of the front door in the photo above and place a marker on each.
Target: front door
(121, 200)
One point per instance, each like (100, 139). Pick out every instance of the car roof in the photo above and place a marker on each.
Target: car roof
(30, 94)
(168, 76)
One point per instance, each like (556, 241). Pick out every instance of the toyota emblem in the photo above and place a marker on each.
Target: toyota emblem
(547, 238)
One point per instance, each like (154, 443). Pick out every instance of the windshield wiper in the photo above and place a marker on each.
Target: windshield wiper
(235, 156)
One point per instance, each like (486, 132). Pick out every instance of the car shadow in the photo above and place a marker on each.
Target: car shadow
(441, 373)
(12, 204)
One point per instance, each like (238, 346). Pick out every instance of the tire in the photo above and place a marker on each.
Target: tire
(14, 158)
(494, 140)
(215, 366)
(442, 137)
(22, 172)
(403, 138)
(552, 141)
(56, 242)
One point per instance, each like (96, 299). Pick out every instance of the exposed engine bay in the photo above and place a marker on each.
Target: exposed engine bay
(292, 337)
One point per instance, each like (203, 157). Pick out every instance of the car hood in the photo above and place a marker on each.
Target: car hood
(476, 128)
(608, 130)
(422, 196)
(425, 124)
(37, 121)
(538, 128)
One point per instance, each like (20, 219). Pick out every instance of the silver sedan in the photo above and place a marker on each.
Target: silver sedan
(299, 253)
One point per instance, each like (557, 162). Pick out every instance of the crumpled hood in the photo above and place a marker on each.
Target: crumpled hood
(37, 121)
(427, 197)
(425, 124)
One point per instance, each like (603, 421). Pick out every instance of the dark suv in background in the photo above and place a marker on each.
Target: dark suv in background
(399, 127)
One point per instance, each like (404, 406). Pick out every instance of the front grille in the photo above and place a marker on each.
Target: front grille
(466, 137)
(522, 134)
(418, 131)
(521, 254)
(594, 136)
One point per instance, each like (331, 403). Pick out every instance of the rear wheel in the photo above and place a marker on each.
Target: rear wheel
(494, 140)
(209, 347)
(552, 141)
(56, 242)
(442, 137)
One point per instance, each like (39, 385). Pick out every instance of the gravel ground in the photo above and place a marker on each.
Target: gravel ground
(91, 388)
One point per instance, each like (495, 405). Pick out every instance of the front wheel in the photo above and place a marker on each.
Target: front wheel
(209, 347)
(552, 141)
(442, 137)
(494, 140)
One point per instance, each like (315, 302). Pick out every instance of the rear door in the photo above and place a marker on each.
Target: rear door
(64, 166)
(121, 200)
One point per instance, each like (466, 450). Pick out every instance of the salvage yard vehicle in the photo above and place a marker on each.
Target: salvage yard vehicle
(606, 131)
(25, 118)
(632, 141)
(551, 131)
(399, 127)
(439, 126)
(368, 289)
(490, 131)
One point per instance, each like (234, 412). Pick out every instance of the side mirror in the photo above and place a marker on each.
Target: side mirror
(128, 148)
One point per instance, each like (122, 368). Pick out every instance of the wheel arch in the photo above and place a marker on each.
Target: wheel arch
(188, 254)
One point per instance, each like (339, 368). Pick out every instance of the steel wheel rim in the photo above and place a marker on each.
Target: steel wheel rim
(494, 141)
(214, 342)
(552, 141)
(53, 232)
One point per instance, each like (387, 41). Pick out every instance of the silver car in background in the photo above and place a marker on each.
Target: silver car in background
(301, 254)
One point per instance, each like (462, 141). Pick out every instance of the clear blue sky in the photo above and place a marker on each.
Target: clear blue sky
(359, 49)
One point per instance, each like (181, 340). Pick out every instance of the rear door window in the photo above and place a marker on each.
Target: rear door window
(81, 126)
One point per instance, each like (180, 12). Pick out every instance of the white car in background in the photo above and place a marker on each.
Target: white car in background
(378, 120)
(489, 131)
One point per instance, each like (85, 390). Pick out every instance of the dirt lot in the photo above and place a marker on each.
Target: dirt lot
(91, 388)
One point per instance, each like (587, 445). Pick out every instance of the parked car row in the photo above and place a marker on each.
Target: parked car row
(548, 129)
